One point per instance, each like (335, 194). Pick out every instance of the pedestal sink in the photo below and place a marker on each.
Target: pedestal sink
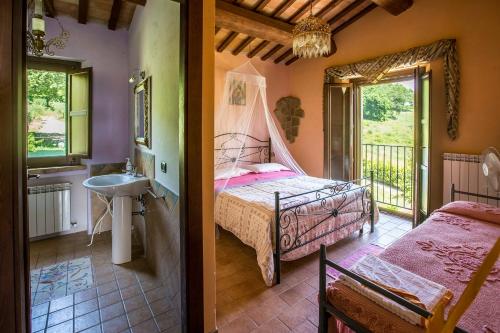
(122, 187)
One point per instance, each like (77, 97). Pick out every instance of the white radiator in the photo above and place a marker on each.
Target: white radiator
(49, 209)
(464, 171)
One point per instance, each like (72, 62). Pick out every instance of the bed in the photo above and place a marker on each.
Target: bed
(446, 249)
(297, 212)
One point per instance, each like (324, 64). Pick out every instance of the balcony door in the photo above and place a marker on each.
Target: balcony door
(422, 79)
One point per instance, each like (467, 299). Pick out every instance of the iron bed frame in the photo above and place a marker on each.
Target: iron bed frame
(290, 210)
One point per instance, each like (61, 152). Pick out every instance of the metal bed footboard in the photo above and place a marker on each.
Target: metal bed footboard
(289, 213)
(326, 309)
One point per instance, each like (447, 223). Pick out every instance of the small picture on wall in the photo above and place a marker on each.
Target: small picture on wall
(238, 91)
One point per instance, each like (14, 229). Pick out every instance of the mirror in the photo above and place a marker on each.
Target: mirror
(142, 100)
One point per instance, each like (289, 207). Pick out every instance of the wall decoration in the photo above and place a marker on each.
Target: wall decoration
(289, 112)
(237, 92)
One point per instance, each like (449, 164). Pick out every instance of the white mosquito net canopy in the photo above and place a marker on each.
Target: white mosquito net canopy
(245, 132)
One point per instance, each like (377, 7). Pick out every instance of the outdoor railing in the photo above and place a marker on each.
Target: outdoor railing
(393, 173)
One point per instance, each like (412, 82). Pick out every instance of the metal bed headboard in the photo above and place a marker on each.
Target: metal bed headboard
(232, 147)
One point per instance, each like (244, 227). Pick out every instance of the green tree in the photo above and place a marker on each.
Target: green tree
(383, 102)
(47, 86)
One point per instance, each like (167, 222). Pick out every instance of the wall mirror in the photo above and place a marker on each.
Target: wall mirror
(142, 101)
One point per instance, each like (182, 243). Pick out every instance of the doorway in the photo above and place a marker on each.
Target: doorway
(392, 129)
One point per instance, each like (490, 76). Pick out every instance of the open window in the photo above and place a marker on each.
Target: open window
(59, 99)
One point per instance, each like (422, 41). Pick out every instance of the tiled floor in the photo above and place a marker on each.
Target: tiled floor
(124, 298)
(245, 304)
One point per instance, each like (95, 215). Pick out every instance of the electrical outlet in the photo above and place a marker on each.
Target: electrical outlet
(163, 166)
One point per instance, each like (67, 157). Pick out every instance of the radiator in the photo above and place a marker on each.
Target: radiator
(49, 209)
(464, 171)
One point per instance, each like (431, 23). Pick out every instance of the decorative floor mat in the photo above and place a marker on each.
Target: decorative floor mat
(61, 279)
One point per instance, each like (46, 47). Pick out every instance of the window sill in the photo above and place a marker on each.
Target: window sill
(58, 169)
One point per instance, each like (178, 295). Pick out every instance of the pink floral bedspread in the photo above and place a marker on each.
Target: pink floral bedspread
(248, 212)
(447, 249)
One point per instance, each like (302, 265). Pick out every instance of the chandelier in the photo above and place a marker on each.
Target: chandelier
(311, 37)
(36, 33)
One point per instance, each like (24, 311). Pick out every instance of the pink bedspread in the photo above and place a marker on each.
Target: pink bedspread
(448, 248)
(252, 178)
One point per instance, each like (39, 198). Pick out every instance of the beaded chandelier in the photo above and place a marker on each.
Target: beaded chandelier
(311, 37)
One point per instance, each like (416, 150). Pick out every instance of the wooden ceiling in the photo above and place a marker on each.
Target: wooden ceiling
(114, 13)
(263, 27)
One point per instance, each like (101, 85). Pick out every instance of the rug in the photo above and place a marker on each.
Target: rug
(61, 279)
(348, 261)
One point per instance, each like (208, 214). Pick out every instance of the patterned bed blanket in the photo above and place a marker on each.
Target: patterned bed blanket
(447, 248)
(306, 221)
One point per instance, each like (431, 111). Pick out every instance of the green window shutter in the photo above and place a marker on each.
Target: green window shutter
(80, 112)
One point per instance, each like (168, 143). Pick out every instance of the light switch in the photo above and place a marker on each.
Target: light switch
(163, 166)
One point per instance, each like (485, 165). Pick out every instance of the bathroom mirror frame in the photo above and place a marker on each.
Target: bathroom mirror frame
(142, 112)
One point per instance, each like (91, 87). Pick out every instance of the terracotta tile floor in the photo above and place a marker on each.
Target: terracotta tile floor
(124, 298)
(245, 304)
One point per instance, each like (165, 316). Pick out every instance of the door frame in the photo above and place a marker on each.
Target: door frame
(14, 252)
(396, 76)
(14, 242)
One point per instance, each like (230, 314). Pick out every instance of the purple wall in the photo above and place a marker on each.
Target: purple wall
(106, 52)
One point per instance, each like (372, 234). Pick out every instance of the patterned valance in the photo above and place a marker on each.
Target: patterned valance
(375, 69)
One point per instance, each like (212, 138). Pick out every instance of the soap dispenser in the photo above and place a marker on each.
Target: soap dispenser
(128, 166)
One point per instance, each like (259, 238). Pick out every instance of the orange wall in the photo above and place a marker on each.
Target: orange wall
(475, 25)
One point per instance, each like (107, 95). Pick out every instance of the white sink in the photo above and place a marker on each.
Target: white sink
(117, 185)
(122, 188)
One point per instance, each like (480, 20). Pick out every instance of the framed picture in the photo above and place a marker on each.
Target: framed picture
(238, 92)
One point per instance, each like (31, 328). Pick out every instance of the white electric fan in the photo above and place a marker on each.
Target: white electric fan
(490, 163)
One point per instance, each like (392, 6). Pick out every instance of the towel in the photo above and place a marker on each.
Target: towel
(416, 289)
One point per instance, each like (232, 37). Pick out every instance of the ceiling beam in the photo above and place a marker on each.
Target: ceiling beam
(354, 18)
(301, 11)
(258, 48)
(345, 11)
(332, 4)
(226, 41)
(282, 57)
(115, 14)
(292, 60)
(269, 54)
(241, 46)
(83, 8)
(50, 10)
(138, 2)
(395, 7)
(282, 8)
(248, 22)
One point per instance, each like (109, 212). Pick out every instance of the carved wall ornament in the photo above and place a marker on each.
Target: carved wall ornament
(288, 112)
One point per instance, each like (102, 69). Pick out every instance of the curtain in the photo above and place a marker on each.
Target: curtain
(375, 69)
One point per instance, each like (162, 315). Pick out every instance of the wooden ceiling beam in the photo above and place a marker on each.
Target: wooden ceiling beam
(226, 41)
(282, 57)
(271, 52)
(354, 19)
(345, 11)
(330, 6)
(138, 2)
(282, 8)
(292, 60)
(83, 8)
(241, 46)
(115, 14)
(259, 5)
(258, 48)
(395, 7)
(50, 10)
(301, 11)
(248, 22)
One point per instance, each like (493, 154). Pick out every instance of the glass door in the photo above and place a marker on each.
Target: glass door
(422, 144)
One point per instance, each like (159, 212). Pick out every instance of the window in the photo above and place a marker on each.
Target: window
(58, 112)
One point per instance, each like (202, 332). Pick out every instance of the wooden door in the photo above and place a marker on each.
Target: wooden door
(422, 145)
